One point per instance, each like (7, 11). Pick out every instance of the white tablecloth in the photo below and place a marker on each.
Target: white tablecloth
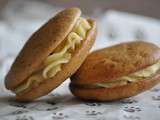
(61, 105)
(113, 27)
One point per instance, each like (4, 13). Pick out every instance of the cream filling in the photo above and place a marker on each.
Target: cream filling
(134, 77)
(52, 64)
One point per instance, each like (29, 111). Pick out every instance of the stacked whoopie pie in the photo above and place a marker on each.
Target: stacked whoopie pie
(51, 55)
(57, 50)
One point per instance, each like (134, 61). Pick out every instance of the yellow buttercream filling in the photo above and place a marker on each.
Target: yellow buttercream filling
(53, 62)
(134, 77)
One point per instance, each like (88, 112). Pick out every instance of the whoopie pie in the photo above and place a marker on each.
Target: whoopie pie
(51, 55)
(117, 72)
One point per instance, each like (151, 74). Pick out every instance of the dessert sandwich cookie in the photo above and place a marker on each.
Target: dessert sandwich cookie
(51, 55)
(117, 72)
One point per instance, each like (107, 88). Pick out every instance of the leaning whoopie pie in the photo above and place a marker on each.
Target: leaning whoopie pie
(51, 55)
(117, 72)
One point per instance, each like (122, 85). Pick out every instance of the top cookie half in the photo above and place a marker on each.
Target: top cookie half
(109, 64)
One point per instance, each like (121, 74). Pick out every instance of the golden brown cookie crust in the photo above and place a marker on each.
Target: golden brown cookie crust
(114, 62)
(40, 45)
(67, 69)
(116, 93)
